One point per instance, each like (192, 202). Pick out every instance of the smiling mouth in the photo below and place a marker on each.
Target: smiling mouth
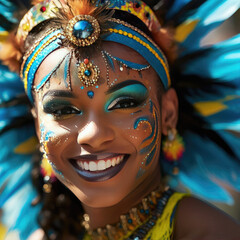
(96, 168)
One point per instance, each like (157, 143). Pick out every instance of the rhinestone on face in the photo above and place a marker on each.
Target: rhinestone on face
(88, 73)
(86, 61)
(82, 29)
(90, 94)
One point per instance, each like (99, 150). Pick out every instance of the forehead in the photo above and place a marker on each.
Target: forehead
(115, 49)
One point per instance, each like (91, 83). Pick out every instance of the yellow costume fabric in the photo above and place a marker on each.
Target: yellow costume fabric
(164, 226)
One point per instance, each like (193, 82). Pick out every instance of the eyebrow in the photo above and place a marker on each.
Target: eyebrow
(59, 93)
(122, 85)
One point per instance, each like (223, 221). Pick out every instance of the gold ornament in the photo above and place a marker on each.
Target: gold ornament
(82, 30)
(88, 73)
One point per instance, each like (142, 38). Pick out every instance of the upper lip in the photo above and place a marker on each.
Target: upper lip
(96, 157)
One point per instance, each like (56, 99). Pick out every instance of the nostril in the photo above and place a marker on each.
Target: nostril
(95, 135)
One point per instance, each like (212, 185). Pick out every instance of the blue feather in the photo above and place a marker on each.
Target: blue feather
(209, 16)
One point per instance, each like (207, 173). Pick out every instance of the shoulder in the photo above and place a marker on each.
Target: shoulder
(197, 220)
(37, 235)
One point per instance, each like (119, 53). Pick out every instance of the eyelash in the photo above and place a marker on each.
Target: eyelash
(60, 112)
(127, 101)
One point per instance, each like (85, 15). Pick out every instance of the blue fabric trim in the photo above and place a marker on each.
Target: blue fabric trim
(33, 69)
(44, 53)
(131, 64)
(143, 51)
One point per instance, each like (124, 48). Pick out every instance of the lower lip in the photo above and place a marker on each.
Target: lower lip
(99, 176)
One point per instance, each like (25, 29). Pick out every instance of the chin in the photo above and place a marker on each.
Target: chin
(100, 199)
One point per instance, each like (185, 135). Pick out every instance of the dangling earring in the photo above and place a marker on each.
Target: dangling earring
(48, 174)
(173, 148)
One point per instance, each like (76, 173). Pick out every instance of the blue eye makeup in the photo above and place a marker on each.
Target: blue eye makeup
(129, 96)
(60, 108)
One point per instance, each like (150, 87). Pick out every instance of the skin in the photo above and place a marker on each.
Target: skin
(96, 128)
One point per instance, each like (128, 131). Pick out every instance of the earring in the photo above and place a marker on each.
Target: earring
(48, 174)
(173, 148)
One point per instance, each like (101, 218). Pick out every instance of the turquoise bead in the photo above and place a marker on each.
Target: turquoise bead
(82, 29)
(90, 94)
(87, 73)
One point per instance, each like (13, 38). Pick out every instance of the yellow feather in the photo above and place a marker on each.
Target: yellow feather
(27, 147)
(3, 231)
(3, 36)
(209, 108)
(183, 30)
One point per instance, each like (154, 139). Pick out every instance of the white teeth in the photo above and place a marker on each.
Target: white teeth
(100, 165)
(92, 166)
(86, 167)
(80, 164)
(108, 164)
(113, 162)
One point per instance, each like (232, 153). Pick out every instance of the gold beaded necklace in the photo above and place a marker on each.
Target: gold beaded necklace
(137, 222)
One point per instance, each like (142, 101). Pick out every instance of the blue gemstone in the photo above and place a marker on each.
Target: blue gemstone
(87, 73)
(90, 94)
(82, 29)
(130, 221)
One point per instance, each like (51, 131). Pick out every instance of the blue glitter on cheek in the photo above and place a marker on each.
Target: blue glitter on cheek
(48, 135)
(151, 105)
(150, 156)
(140, 172)
(55, 169)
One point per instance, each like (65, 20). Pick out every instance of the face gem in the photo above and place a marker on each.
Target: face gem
(90, 94)
(82, 29)
(86, 61)
(88, 73)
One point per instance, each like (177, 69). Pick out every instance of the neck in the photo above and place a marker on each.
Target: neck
(100, 217)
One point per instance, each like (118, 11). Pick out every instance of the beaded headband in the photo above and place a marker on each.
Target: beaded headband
(81, 31)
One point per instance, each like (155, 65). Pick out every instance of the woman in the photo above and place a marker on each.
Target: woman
(99, 87)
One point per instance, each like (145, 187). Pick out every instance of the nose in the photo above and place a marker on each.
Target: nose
(95, 136)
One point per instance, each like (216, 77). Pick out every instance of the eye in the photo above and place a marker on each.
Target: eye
(123, 103)
(65, 111)
(60, 109)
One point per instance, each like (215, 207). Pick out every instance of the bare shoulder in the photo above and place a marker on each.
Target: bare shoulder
(197, 220)
(37, 235)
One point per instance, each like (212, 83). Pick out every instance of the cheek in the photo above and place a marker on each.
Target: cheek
(54, 140)
(148, 146)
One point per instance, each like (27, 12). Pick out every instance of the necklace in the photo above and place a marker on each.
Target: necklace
(137, 222)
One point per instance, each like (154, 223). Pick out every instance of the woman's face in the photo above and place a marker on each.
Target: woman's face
(103, 141)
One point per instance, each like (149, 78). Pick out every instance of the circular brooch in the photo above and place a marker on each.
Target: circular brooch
(82, 30)
(88, 73)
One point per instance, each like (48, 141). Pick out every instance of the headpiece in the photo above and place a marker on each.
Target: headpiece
(206, 78)
(84, 30)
